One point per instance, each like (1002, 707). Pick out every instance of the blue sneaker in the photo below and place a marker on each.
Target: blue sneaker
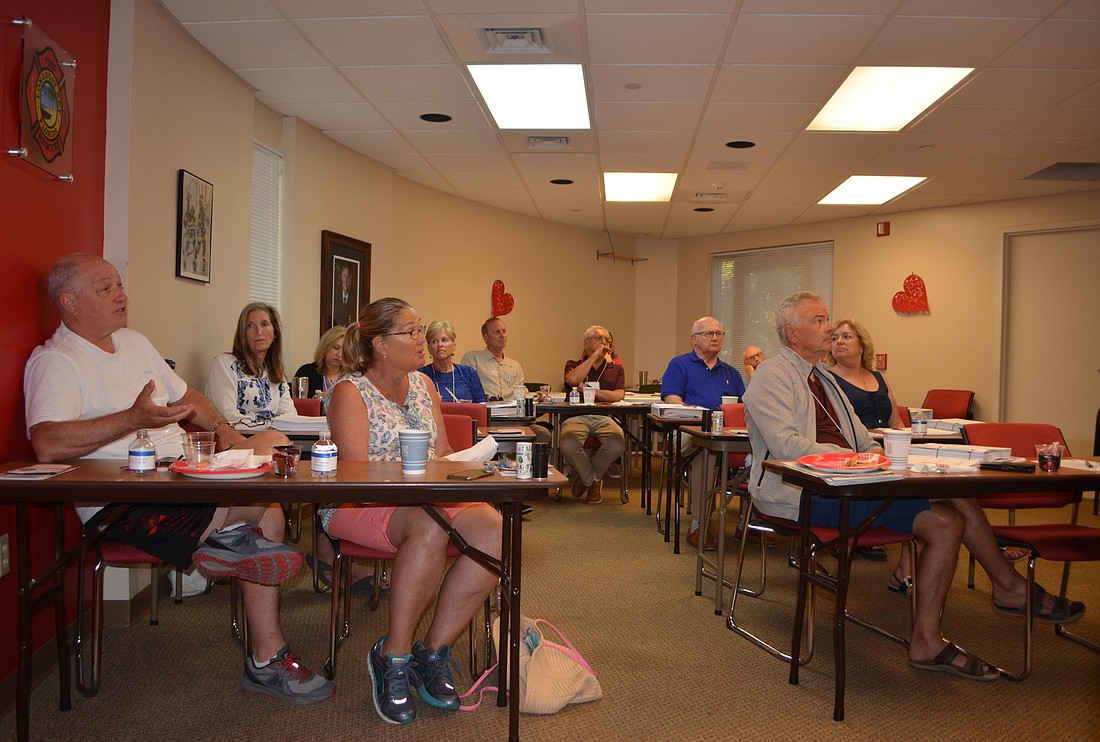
(392, 699)
(431, 672)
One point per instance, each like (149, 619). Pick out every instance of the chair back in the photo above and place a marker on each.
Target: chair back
(461, 431)
(733, 416)
(946, 403)
(307, 406)
(1021, 439)
(477, 410)
(903, 413)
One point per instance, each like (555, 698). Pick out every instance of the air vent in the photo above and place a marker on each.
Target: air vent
(1081, 171)
(710, 197)
(515, 41)
(728, 165)
(549, 144)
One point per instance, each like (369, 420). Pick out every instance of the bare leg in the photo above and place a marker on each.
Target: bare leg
(941, 529)
(417, 573)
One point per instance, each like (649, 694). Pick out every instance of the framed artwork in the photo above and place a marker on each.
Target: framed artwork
(345, 279)
(194, 223)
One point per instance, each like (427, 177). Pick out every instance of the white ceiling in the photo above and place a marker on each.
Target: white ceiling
(700, 73)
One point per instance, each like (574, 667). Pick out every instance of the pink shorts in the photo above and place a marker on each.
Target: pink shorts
(367, 525)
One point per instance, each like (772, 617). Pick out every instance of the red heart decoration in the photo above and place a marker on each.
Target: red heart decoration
(503, 303)
(914, 298)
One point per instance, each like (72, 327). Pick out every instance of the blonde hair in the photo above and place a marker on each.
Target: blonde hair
(324, 345)
(865, 341)
(438, 326)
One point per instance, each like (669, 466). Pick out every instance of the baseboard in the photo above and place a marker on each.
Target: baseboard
(116, 614)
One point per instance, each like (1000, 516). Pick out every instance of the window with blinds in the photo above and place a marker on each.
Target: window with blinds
(267, 209)
(748, 285)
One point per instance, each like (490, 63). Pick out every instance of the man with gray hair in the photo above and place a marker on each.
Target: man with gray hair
(595, 368)
(794, 408)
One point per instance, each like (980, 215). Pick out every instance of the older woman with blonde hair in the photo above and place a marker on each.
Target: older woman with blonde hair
(327, 357)
(380, 393)
(852, 362)
(250, 381)
(454, 382)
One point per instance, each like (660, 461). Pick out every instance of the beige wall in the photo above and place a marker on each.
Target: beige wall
(959, 254)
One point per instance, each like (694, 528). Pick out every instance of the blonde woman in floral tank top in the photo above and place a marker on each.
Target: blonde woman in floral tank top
(382, 392)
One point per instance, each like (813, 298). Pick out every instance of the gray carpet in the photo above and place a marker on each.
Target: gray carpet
(670, 668)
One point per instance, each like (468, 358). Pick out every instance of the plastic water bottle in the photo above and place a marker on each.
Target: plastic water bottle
(574, 396)
(323, 457)
(143, 454)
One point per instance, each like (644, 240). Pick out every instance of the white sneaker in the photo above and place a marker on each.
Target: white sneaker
(194, 583)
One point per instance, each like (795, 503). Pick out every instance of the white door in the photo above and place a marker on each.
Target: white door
(1052, 348)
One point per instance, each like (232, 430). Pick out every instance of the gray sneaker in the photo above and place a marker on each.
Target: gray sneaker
(390, 675)
(287, 679)
(431, 672)
(244, 553)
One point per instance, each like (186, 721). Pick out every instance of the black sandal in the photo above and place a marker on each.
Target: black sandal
(901, 587)
(1063, 611)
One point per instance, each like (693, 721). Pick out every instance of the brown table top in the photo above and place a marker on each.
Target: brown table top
(355, 481)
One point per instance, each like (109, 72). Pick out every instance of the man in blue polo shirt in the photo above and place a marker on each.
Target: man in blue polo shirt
(700, 377)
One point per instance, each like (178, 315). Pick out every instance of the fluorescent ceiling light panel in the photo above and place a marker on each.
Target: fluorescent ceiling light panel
(638, 186)
(885, 98)
(870, 189)
(533, 96)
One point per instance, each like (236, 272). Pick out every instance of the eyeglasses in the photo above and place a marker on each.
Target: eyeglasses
(711, 333)
(413, 333)
(754, 356)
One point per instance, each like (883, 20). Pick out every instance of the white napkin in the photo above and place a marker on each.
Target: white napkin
(1080, 464)
(483, 450)
(934, 465)
(241, 458)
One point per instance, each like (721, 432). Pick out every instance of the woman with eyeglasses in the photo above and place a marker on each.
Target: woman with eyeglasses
(249, 383)
(454, 382)
(379, 393)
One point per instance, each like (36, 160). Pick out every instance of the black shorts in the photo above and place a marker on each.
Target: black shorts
(171, 533)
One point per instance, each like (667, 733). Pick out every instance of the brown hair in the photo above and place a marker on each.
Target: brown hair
(377, 318)
(274, 359)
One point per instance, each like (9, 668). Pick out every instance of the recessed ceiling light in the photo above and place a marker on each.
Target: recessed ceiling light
(740, 144)
(533, 96)
(703, 209)
(435, 118)
(885, 98)
(561, 181)
(870, 189)
(633, 86)
(638, 186)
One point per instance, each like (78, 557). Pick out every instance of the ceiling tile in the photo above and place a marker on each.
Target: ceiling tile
(360, 42)
(256, 44)
(656, 39)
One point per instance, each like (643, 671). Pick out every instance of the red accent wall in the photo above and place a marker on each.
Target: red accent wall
(41, 219)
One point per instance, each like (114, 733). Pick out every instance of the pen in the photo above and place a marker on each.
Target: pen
(451, 392)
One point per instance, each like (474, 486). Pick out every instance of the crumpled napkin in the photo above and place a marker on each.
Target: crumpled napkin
(936, 465)
(483, 450)
(242, 458)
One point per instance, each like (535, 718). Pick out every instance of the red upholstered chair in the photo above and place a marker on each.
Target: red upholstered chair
(461, 431)
(903, 413)
(477, 410)
(1021, 438)
(307, 406)
(944, 403)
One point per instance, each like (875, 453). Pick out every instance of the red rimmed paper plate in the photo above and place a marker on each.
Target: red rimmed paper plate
(181, 467)
(842, 461)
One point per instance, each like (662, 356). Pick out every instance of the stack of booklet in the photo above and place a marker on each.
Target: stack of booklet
(959, 451)
(291, 423)
(677, 411)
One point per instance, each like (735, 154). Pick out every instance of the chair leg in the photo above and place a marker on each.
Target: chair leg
(89, 687)
(179, 586)
(238, 621)
(624, 476)
(294, 521)
(1060, 630)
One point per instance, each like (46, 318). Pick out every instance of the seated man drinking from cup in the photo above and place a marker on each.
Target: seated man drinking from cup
(89, 389)
(595, 368)
(794, 408)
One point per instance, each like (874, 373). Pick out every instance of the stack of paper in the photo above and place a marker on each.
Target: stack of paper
(677, 411)
(959, 451)
(503, 409)
(291, 423)
(37, 471)
(954, 424)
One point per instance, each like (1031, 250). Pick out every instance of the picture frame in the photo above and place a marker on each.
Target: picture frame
(345, 279)
(194, 227)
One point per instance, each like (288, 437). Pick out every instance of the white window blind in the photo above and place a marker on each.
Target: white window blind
(267, 208)
(748, 285)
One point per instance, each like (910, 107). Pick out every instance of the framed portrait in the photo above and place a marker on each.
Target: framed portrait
(345, 279)
(194, 225)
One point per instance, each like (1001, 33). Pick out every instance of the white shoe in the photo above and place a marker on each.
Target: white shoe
(194, 583)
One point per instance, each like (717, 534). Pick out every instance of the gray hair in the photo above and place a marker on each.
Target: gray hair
(786, 314)
(64, 272)
(438, 326)
(591, 331)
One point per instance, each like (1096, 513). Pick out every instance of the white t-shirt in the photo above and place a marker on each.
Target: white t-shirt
(68, 378)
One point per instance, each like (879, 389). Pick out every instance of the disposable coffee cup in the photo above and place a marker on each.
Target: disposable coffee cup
(896, 443)
(519, 391)
(540, 460)
(589, 394)
(286, 459)
(727, 399)
(414, 450)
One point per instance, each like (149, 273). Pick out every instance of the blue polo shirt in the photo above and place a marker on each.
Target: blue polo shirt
(689, 378)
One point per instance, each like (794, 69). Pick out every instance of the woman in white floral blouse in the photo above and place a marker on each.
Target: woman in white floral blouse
(250, 382)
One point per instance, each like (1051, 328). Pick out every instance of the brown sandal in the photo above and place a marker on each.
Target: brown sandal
(974, 669)
(1062, 612)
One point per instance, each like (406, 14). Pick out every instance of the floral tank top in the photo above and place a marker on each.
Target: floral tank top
(387, 417)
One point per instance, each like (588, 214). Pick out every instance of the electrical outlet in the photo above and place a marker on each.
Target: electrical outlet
(5, 556)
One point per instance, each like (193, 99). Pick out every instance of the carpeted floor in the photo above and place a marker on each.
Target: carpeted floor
(670, 668)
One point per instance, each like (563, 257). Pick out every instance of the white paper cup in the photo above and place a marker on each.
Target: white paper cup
(589, 395)
(896, 443)
(727, 399)
(414, 450)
